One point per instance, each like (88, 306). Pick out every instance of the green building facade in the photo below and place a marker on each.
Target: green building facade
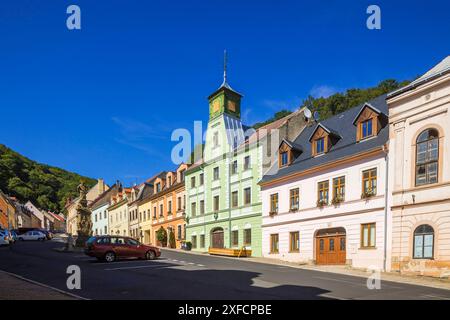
(223, 198)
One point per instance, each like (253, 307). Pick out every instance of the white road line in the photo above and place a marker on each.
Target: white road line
(135, 267)
(200, 265)
(45, 285)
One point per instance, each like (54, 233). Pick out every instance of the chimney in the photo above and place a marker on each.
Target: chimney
(101, 185)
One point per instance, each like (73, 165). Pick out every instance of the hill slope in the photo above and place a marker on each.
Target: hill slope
(340, 102)
(46, 186)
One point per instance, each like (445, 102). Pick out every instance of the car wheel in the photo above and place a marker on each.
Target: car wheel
(110, 257)
(150, 255)
(20, 239)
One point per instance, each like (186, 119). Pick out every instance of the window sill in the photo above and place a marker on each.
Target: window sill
(367, 248)
(297, 251)
(274, 253)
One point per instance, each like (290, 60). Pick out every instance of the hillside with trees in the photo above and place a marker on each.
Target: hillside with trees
(48, 187)
(340, 102)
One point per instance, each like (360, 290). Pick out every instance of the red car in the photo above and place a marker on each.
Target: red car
(111, 248)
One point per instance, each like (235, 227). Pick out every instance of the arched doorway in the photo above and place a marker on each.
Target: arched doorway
(217, 236)
(331, 246)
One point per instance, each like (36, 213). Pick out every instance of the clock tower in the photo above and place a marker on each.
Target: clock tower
(225, 100)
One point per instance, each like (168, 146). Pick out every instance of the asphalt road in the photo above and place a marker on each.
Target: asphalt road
(183, 276)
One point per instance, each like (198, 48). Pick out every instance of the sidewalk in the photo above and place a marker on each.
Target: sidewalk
(17, 288)
(439, 283)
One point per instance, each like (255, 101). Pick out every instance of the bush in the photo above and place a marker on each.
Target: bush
(161, 236)
(172, 242)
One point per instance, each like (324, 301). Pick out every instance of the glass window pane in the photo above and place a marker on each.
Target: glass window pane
(372, 235)
(432, 172)
(331, 245)
(418, 246)
(365, 236)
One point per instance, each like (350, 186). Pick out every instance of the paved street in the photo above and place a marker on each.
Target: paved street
(178, 275)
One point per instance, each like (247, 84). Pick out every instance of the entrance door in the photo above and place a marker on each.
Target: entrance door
(217, 238)
(331, 246)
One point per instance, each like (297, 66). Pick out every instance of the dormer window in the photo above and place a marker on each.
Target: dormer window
(287, 153)
(368, 122)
(322, 139)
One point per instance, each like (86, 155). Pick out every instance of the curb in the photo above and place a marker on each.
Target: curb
(439, 283)
(44, 286)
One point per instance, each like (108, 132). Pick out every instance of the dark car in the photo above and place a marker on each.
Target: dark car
(111, 248)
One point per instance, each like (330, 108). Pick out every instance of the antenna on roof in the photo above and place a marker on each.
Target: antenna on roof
(316, 116)
(307, 114)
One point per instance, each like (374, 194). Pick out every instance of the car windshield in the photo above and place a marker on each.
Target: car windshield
(90, 240)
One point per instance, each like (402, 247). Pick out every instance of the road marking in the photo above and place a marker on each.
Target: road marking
(134, 267)
(263, 284)
(201, 265)
(45, 285)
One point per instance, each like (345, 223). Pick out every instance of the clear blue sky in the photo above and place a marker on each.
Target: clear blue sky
(104, 100)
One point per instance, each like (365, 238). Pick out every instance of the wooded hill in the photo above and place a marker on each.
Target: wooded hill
(47, 187)
(340, 102)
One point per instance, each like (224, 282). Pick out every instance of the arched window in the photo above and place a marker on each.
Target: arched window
(427, 157)
(423, 242)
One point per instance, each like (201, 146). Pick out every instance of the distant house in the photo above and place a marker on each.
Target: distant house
(7, 212)
(23, 215)
(39, 219)
(99, 209)
(59, 222)
(71, 206)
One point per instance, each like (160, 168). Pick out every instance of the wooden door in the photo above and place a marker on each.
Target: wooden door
(331, 250)
(217, 239)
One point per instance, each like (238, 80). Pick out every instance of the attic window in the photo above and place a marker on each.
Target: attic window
(368, 122)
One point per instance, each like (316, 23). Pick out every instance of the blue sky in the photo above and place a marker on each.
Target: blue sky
(102, 101)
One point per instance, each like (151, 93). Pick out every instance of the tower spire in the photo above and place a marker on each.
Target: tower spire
(224, 66)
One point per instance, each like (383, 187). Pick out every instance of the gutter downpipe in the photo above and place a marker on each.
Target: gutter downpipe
(386, 204)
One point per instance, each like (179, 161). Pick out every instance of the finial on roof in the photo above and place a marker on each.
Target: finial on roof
(224, 66)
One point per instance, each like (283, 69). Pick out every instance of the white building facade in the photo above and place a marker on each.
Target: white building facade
(324, 202)
(420, 161)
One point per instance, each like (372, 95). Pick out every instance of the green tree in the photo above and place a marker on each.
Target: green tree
(161, 236)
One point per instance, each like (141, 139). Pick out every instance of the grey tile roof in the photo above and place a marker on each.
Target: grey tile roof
(438, 70)
(346, 146)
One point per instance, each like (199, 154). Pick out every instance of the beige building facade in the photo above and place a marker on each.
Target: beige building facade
(71, 207)
(420, 170)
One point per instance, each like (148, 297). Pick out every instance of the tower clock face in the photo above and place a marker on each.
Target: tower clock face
(216, 106)
(232, 106)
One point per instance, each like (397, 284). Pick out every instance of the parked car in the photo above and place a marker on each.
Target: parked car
(4, 237)
(20, 231)
(111, 248)
(48, 234)
(33, 236)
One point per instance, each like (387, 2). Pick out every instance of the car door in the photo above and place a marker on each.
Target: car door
(119, 247)
(133, 248)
